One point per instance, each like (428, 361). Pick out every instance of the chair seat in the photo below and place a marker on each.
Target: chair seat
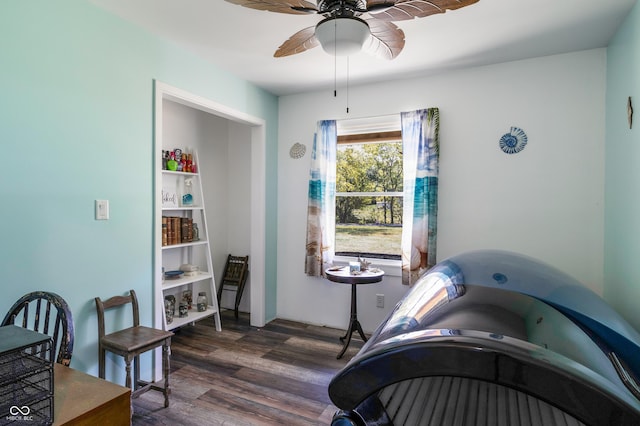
(134, 339)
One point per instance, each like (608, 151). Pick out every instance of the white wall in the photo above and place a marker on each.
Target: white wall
(238, 238)
(546, 201)
(622, 215)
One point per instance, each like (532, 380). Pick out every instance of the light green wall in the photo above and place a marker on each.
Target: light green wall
(76, 114)
(622, 173)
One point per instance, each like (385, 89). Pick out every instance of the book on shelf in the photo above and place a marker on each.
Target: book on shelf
(176, 230)
(184, 229)
(164, 231)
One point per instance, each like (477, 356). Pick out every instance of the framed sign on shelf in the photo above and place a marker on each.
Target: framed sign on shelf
(169, 197)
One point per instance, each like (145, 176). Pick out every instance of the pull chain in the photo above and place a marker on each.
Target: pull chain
(347, 85)
(335, 59)
(335, 76)
(335, 66)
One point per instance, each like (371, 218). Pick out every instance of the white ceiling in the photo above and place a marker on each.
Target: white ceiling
(243, 40)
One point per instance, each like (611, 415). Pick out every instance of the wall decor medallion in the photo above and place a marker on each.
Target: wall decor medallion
(514, 141)
(297, 150)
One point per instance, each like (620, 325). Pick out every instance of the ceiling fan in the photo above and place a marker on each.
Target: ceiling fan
(348, 24)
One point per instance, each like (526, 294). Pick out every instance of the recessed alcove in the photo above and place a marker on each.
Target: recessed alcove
(231, 155)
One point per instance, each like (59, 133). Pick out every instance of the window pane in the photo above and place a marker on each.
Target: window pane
(382, 210)
(369, 207)
(369, 167)
(368, 226)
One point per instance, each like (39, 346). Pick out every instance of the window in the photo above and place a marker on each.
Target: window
(369, 195)
(368, 204)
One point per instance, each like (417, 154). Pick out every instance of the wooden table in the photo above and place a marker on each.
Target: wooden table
(82, 399)
(344, 276)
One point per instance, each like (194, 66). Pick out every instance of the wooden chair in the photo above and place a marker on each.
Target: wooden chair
(35, 315)
(130, 343)
(235, 274)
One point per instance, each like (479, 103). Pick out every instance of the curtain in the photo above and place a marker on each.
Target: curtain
(420, 148)
(322, 201)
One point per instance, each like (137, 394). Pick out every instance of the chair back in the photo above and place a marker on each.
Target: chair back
(235, 270)
(46, 313)
(114, 302)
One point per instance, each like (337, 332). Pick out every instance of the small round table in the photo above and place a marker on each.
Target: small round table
(343, 276)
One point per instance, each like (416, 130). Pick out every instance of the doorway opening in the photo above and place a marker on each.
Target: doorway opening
(248, 136)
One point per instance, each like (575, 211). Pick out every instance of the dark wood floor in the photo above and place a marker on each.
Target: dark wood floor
(275, 375)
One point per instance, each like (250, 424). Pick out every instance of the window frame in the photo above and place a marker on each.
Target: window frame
(365, 135)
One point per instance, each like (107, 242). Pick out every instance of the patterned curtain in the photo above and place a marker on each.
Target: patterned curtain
(322, 201)
(420, 146)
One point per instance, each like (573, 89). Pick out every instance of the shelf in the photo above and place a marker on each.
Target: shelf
(193, 316)
(177, 282)
(191, 244)
(182, 208)
(171, 172)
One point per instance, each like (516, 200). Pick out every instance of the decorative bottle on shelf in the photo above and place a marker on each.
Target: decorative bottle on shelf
(170, 307)
(195, 232)
(183, 310)
(169, 310)
(177, 157)
(201, 302)
(187, 196)
(172, 164)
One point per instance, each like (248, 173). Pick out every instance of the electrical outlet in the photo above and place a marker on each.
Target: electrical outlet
(380, 300)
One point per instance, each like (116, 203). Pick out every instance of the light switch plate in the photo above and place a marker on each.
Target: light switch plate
(102, 209)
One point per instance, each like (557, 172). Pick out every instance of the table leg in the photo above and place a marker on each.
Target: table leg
(354, 324)
(166, 348)
(360, 331)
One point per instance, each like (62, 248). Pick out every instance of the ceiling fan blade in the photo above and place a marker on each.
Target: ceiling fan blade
(386, 41)
(295, 7)
(377, 6)
(301, 41)
(408, 9)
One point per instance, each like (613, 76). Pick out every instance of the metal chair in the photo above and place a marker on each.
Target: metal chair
(130, 343)
(235, 274)
(34, 312)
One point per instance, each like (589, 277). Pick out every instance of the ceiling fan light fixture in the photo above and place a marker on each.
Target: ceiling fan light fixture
(343, 35)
